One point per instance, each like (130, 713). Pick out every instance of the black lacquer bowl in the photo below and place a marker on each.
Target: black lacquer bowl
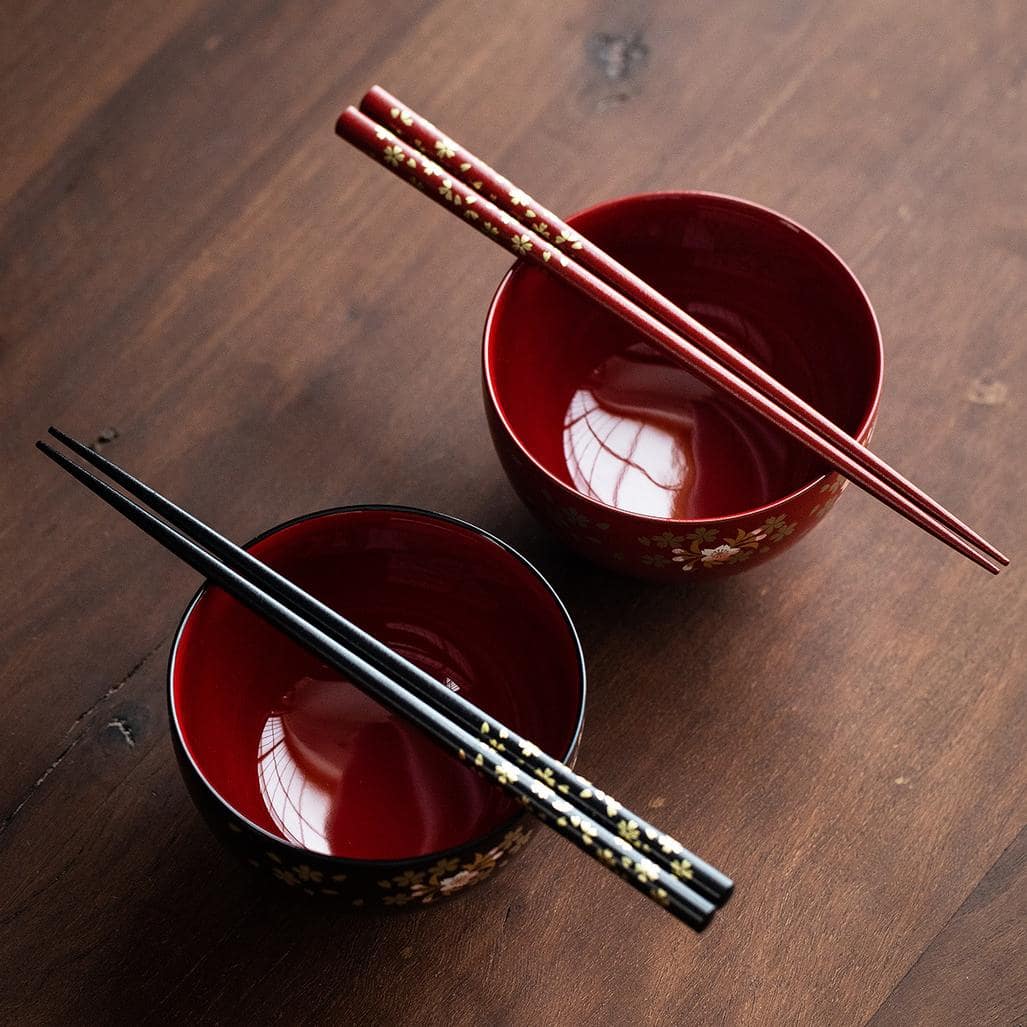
(307, 779)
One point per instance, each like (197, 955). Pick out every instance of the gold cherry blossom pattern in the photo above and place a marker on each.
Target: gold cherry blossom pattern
(577, 524)
(706, 549)
(632, 863)
(629, 830)
(629, 864)
(829, 491)
(495, 736)
(542, 785)
(303, 876)
(567, 236)
(574, 518)
(777, 528)
(451, 874)
(655, 560)
(589, 791)
(665, 540)
(521, 245)
(681, 868)
(447, 192)
(403, 115)
(444, 149)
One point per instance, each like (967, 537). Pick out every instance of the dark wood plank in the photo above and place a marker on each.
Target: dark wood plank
(192, 259)
(59, 63)
(974, 971)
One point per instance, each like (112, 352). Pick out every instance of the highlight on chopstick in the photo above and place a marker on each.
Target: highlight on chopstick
(649, 860)
(452, 176)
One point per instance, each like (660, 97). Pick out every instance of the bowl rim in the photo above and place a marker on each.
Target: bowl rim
(352, 861)
(861, 435)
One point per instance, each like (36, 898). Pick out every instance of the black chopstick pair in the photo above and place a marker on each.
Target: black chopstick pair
(651, 861)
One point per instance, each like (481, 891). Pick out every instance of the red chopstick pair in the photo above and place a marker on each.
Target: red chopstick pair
(455, 178)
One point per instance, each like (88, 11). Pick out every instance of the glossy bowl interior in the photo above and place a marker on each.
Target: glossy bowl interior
(604, 414)
(298, 755)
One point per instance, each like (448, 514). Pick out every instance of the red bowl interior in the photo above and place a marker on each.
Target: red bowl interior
(606, 413)
(293, 748)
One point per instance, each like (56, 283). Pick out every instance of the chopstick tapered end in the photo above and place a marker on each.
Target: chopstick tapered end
(61, 436)
(345, 120)
(376, 100)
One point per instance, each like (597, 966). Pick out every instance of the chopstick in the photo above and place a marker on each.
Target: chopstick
(557, 812)
(462, 200)
(386, 109)
(663, 850)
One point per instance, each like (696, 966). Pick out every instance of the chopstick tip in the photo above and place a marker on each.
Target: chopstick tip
(344, 119)
(376, 95)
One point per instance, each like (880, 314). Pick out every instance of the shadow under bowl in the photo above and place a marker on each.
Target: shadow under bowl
(627, 456)
(307, 779)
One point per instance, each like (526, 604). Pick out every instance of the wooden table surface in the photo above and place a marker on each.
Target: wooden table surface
(197, 275)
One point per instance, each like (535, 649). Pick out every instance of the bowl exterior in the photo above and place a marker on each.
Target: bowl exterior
(663, 550)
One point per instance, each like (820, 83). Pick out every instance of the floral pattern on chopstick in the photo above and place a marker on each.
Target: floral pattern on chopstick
(445, 151)
(567, 236)
(395, 155)
(632, 862)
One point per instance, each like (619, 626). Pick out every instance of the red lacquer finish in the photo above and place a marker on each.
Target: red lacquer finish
(532, 243)
(634, 461)
(297, 755)
(388, 110)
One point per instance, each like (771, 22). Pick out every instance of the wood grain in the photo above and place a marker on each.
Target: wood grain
(193, 268)
(983, 942)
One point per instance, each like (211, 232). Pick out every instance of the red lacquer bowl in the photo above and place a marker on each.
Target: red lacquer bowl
(626, 455)
(312, 782)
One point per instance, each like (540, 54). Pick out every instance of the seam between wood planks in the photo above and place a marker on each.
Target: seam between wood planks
(944, 927)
